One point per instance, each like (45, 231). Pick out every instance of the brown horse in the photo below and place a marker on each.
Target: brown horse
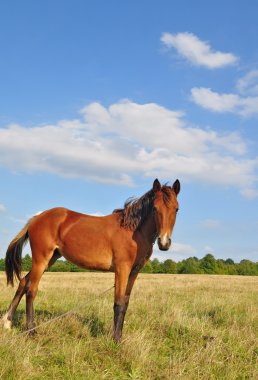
(121, 242)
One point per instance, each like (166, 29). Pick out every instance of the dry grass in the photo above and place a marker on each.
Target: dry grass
(177, 327)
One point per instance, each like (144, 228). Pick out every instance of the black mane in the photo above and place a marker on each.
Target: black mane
(136, 210)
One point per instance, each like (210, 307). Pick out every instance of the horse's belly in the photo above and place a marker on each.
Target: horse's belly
(90, 259)
(88, 254)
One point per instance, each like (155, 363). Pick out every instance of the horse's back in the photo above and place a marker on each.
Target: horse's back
(87, 241)
(82, 239)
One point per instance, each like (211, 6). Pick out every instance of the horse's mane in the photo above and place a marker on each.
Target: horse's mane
(136, 210)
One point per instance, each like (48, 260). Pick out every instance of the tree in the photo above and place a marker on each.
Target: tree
(169, 266)
(26, 263)
(222, 267)
(147, 267)
(189, 266)
(2, 265)
(157, 266)
(229, 262)
(232, 269)
(247, 268)
(74, 268)
(208, 264)
(60, 266)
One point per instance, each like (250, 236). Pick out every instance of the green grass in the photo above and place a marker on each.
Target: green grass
(177, 327)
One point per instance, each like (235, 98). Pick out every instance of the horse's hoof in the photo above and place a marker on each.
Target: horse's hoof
(7, 324)
(32, 332)
(117, 339)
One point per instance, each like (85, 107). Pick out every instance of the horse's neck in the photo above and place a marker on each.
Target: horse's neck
(149, 229)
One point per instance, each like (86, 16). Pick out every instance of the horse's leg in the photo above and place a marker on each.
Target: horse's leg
(121, 280)
(22, 288)
(120, 308)
(7, 318)
(39, 265)
(35, 276)
(131, 280)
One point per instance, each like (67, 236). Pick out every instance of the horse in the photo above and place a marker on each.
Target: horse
(121, 242)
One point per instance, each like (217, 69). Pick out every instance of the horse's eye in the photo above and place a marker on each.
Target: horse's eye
(177, 209)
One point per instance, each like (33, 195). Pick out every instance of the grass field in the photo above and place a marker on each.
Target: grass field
(177, 327)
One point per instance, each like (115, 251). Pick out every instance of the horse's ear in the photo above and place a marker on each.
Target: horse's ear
(156, 185)
(176, 187)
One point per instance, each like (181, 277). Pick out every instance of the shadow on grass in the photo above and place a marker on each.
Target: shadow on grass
(19, 318)
(94, 324)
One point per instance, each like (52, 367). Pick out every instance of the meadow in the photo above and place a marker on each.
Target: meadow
(177, 327)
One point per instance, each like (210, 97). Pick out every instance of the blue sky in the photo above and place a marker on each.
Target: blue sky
(98, 98)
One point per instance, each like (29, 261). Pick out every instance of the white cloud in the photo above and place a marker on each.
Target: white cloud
(249, 193)
(211, 224)
(114, 144)
(208, 249)
(196, 51)
(183, 249)
(98, 213)
(18, 220)
(177, 252)
(213, 101)
(248, 85)
(2, 208)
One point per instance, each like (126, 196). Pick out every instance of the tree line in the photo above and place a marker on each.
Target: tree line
(207, 265)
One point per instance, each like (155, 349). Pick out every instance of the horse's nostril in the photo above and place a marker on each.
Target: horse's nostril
(164, 245)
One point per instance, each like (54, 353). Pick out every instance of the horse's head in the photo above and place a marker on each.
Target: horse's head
(165, 210)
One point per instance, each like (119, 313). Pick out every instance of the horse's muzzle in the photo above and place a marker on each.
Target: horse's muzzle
(164, 245)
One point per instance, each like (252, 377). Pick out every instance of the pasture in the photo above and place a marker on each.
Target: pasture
(177, 327)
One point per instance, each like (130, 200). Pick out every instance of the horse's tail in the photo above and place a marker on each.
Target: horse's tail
(13, 258)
